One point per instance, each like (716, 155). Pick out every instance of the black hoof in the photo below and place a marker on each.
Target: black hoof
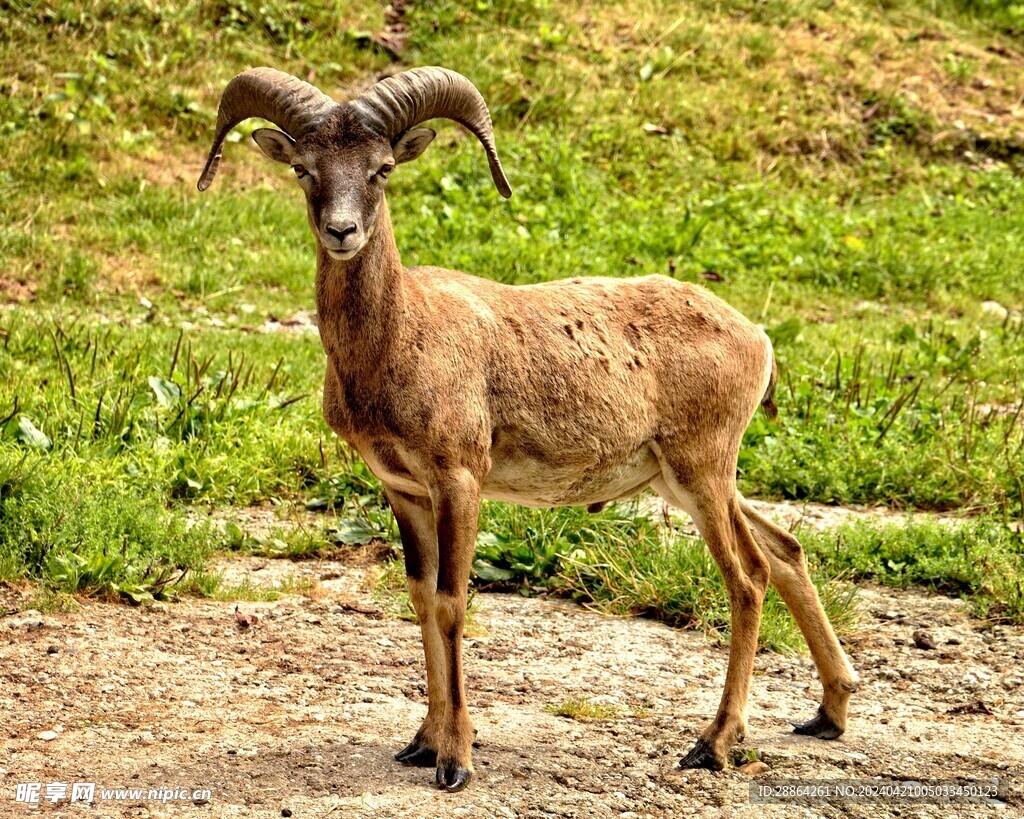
(422, 756)
(821, 726)
(451, 777)
(701, 756)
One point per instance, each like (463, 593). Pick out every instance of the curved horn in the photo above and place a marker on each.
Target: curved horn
(291, 104)
(396, 104)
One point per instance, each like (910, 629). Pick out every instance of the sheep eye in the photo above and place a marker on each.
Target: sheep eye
(300, 171)
(385, 170)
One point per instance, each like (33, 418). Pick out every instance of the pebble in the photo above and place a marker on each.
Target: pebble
(995, 310)
(47, 736)
(923, 640)
(28, 620)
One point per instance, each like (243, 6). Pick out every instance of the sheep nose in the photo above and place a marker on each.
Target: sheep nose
(339, 232)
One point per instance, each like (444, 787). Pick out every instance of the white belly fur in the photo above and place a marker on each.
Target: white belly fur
(528, 482)
(525, 481)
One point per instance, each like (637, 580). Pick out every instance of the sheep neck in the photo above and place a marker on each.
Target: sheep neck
(361, 301)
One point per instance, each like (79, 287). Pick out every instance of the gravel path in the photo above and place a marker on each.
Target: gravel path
(302, 711)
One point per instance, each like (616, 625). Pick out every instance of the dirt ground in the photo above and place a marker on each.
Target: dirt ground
(299, 714)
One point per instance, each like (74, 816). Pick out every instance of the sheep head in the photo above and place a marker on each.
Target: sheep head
(343, 153)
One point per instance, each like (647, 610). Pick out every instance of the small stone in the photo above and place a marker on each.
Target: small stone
(52, 650)
(47, 736)
(923, 640)
(995, 310)
(286, 811)
(28, 620)
(755, 768)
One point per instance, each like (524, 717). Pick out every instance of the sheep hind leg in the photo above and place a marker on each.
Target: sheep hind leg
(790, 579)
(713, 505)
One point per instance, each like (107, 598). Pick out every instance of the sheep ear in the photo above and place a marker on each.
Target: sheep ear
(276, 145)
(412, 143)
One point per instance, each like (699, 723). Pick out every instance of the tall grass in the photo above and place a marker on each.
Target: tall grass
(765, 149)
(980, 560)
(926, 418)
(106, 540)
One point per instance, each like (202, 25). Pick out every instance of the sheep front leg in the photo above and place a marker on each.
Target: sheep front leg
(456, 501)
(415, 517)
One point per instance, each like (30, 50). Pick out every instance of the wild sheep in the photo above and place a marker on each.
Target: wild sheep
(455, 388)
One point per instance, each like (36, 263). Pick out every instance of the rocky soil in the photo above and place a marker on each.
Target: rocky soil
(299, 713)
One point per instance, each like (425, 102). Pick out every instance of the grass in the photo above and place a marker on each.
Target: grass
(848, 175)
(50, 601)
(924, 416)
(582, 708)
(623, 562)
(108, 541)
(248, 591)
(979, 560)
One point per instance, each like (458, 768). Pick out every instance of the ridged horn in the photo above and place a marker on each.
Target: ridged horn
(293, 105)
(394, 105)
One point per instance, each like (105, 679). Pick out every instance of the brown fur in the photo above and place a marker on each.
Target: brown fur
(456, 388)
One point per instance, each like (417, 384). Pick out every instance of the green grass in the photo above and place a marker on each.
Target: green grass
(248, 591)
(625, 563)
(100, 540)
(924, 415)
(582, 708)
(979, 560)
(849, 175)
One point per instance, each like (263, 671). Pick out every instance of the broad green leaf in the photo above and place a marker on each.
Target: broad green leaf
(493, 574)
(167, 392)
(30, 435)
(355, 533)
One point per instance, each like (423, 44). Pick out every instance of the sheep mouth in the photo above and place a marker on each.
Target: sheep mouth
(343, 255)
